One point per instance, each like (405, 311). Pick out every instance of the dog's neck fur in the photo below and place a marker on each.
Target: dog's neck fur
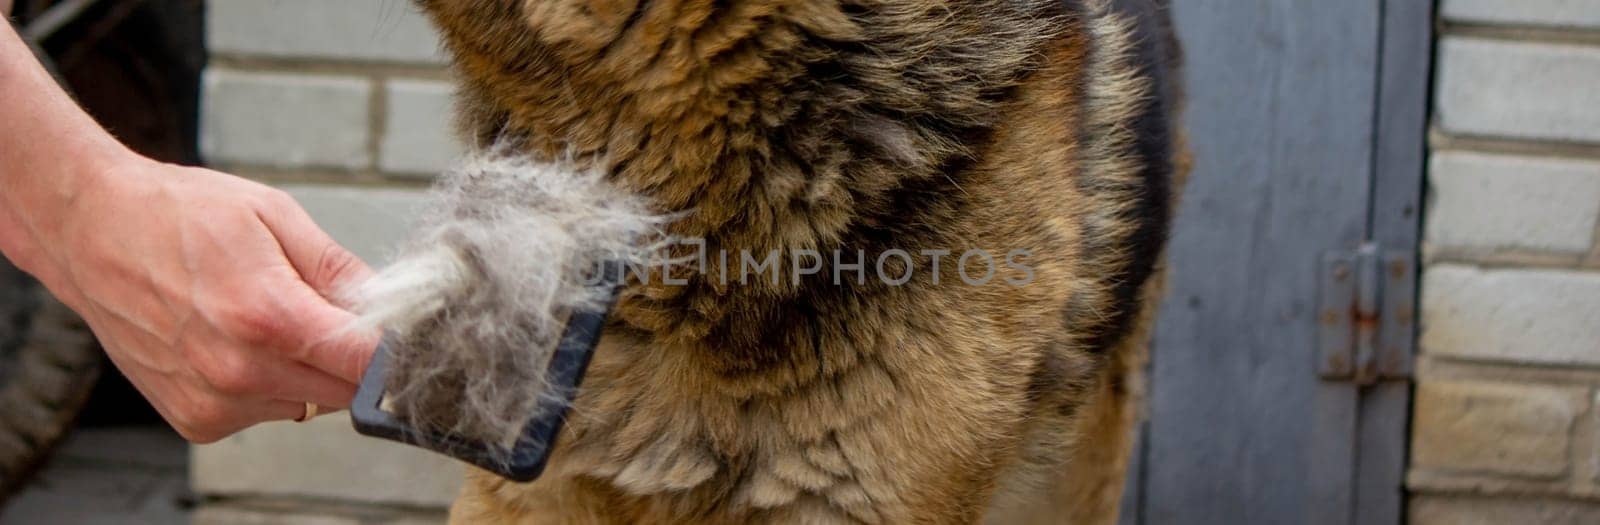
(767, 124)
(845, 125)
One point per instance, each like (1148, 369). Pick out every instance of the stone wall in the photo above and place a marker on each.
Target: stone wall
(1505, 424)
(346, 105)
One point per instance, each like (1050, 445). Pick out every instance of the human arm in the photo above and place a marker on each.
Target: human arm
(208, 291)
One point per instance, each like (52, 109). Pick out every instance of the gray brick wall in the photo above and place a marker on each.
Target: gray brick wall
(286, 119)
(351, 91)
(345, 104)
(1505, 425)
(1509, 429)
(1485, 203)
(1555, 13)
(361, 31)
(414, 143)
(1519, 89)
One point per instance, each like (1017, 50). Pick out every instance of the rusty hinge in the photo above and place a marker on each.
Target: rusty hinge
(1366, 315)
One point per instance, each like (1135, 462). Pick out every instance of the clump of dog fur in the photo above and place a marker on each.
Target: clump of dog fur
(475, 303)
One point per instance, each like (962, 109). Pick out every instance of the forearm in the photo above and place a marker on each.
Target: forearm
(50, 151)
(5, 7)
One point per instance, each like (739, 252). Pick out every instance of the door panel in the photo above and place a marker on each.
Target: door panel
(1282, 119)
(1395, 222)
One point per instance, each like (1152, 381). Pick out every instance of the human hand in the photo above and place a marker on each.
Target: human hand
(210, 292)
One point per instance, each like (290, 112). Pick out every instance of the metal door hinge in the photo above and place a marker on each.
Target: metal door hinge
(1366, 315)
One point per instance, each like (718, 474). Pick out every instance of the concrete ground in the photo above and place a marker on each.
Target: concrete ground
(119, 475)
(140, 475)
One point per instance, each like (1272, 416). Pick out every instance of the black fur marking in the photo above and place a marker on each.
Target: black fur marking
(1153, 149)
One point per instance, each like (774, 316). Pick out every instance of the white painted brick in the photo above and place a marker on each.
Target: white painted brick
(418, 137)
(359, 30)
(1593, 445)
(1520, 90)
(1501, 428)
(370, 222)
(1505, 202)
(1555, 13)
(218, 515)
(285, 120)
(1549, 317)
(1430, 509)
(324, 459)
(260, 511)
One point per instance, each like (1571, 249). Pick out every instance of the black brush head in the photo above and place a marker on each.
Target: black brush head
(525, 460)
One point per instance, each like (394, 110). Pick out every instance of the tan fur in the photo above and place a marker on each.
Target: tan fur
(851, 124)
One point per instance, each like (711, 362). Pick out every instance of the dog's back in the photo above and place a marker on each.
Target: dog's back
(900, 134)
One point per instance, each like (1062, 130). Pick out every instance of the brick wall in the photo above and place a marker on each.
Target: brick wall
(346, 105)
(1505, 426)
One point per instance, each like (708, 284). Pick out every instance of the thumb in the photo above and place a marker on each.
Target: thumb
(321, 262)
(327, 337)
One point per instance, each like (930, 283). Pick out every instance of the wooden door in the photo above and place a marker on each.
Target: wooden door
(1307, 122)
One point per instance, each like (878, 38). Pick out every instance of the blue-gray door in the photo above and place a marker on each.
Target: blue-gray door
(1307, 123)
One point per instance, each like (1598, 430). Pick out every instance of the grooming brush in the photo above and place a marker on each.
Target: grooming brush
(525, 460)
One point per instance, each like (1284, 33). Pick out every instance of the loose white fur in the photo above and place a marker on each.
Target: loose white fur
(478, 298)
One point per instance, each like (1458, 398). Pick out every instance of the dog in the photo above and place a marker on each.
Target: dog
(945, 388)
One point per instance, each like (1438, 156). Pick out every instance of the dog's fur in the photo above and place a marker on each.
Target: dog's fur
(1044, 125)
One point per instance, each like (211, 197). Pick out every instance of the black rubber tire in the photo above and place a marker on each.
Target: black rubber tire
(49, 362)
(141, 78)
(49, 365)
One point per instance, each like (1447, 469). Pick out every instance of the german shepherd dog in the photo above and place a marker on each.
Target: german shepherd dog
(924, 128)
